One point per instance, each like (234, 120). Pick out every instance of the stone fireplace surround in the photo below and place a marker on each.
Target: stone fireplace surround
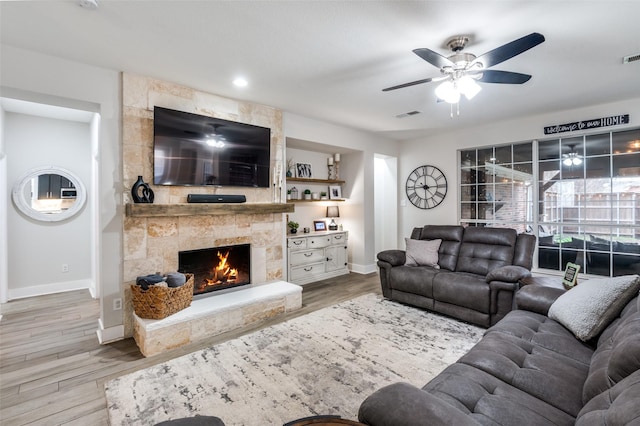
(155, 233)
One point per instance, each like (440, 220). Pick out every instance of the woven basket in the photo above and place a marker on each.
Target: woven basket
(160, 302)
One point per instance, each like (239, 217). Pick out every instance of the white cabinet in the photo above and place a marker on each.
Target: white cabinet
(314, 257)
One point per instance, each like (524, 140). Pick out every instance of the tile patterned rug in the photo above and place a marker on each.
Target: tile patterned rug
(326, 362)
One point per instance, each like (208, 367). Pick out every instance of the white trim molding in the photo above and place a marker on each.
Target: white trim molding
(111, 334)
(39, 290)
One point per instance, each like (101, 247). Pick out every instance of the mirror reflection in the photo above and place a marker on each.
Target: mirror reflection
(49, 194)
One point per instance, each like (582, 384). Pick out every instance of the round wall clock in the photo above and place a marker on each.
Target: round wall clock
(426, 187)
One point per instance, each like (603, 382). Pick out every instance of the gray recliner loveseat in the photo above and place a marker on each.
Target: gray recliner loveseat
(475, 278)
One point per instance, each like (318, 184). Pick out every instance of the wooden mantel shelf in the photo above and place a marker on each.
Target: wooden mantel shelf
(202, 209)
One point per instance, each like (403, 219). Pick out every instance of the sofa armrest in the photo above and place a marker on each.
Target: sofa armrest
(406, 405)
(537, 298)
(393, 257)
(508, 274)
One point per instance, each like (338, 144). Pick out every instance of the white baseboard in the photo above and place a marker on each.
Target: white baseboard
(364, 269)
(111, 334)
(39, 290)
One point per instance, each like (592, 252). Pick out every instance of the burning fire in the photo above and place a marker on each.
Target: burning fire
(222, 273)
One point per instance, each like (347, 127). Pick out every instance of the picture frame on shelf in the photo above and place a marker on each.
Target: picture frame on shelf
(303, 170)
(319, 225)
(335, 192)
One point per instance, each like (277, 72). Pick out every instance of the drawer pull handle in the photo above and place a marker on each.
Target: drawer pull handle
(298, 242)
(308, 254)
(338, 237)
(309, 269)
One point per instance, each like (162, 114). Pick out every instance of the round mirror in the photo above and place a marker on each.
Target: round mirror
(49, 193)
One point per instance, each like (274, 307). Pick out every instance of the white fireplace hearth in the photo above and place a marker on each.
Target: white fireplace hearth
(216, 314)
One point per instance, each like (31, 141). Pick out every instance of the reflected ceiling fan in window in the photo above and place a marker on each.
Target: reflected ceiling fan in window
(462, 71)
(572, 158)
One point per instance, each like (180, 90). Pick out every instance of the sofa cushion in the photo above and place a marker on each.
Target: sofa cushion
(552, 377)
(545, 333)
(485, 249)
(617, 355)
(588, 308)
(489, 400)
(422, 252)
(413, 279)
(462, 289)
(451, 236)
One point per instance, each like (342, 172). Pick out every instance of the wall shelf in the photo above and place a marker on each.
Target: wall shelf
(306, 180)
(204, 209)
(315, 201)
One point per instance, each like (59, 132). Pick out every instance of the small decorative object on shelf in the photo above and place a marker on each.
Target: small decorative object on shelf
(141, 192)
(336, 170)
(290, 167)
(288, 194)
(293, 226)
(323, 195)
(330, 168)
(294, 193)
(307, 194)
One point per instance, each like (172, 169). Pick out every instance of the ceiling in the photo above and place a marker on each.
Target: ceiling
(330, 60)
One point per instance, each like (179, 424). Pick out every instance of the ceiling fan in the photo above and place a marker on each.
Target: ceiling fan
(461, 71)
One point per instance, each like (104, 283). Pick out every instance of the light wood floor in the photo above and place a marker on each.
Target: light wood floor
(53, 370)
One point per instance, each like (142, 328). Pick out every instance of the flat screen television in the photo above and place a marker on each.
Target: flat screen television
(195, 150)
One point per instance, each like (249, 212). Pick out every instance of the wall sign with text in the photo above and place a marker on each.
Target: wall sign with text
(614, 120)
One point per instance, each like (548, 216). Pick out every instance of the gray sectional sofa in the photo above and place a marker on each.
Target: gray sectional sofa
(529, 370)
(474, 279)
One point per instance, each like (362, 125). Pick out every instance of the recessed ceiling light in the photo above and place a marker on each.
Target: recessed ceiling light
(240, 82)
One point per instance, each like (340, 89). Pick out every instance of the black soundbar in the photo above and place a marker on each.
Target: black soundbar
(206, 198)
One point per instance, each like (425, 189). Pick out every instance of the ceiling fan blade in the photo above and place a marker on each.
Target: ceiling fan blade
(509, 50)
(503, 77)
(413, 83)
(435, 59)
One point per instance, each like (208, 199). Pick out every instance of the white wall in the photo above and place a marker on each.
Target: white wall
(38, 249)
(357, 169)
(386, 213)
(4, 198)
(31, 76)
(441, 151)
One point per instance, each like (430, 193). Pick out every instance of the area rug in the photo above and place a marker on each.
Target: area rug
(326, 362)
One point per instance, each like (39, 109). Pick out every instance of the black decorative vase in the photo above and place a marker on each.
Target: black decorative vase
(141, 192)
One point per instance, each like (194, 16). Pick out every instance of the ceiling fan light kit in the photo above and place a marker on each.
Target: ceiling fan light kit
(463, 71)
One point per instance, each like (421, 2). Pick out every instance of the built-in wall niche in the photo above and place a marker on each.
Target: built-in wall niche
(314, 172)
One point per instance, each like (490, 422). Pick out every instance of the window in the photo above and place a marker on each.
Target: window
(579, 195)
(496, 186)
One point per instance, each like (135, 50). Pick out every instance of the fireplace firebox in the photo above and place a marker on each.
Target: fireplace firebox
(217, 268)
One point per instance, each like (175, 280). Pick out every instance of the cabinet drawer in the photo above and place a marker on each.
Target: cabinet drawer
(307, 256)
(339, 238)
(306, 271)
(316, 242)
(297, 243)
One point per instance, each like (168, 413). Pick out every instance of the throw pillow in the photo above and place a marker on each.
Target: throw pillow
(588, 308)
(422, 252)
